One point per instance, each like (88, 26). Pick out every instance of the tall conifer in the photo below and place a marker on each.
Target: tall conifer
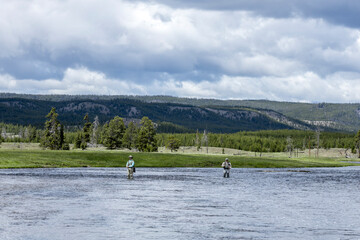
(52, 137)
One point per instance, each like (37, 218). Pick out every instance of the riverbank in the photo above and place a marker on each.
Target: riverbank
(76, 158)
(323, 153)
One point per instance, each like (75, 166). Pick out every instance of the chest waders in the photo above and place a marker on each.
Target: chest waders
(130, 173)
(226, 172)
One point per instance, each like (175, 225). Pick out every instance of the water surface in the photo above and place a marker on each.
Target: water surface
(180, 203)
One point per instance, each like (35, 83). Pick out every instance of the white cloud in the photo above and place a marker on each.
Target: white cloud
(75, 81)
(7, 82)
(135, 47)
(308, 87)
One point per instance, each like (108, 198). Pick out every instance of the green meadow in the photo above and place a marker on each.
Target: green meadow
(63, 159)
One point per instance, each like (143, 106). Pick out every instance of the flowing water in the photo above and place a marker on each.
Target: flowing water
(178, 203)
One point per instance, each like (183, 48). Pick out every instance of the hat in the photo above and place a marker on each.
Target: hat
(130, 156)
(226, 159)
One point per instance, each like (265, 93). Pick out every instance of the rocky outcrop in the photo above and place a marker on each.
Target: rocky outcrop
(285, 120)
(73, 107)
(235, 115)
(330, 124)
(181, 108)
(133, 112)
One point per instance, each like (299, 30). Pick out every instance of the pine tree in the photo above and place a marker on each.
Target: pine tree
(83, 138)
(78, 140)
(173, 143)
(52, 138)
(197, 140)
(114, 133)
(357, 142)
(146, 141)
(103, 133)
(32, 134)
(130, 135)
(86, 129)
(62, 135)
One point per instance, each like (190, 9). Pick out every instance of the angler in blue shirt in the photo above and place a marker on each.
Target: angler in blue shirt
(130, 165)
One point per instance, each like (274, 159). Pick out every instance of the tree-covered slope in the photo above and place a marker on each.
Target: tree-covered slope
(214, 119)
(345, 117)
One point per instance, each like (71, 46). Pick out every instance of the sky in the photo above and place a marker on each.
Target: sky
(282, 50)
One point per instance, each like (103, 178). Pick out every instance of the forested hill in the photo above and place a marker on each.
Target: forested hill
(344, 117)
(213, 118)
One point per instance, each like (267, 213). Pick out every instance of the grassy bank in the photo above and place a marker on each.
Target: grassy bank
(56, 159)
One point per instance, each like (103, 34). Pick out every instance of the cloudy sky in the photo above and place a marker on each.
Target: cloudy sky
(287, 50)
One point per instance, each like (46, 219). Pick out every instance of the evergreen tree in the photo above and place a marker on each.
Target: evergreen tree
(86, 129)
(52, 138)
(103, 133)
(130, 135)
(357, 142)
(146, 138)
(173, 143)
(83, 144)
(32, 134)
(62, 135)
(83, 138)
(257, 146)
(197, 140)
(114, 133)
(78, 140)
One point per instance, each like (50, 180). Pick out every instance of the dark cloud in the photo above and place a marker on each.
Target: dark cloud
(343, 12)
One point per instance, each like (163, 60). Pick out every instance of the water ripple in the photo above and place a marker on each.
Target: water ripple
(179, 203)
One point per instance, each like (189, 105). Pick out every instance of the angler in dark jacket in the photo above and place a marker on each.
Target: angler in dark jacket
(227, 166)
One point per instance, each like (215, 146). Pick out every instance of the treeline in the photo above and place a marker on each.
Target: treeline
(113, 134)
(19, 133)
(144, 136)
(264, 141)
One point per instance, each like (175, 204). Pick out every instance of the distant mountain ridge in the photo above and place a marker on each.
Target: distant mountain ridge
(213, 114)
(213, 118)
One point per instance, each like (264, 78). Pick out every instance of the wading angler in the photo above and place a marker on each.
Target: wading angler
(227, 166)
(130, 165)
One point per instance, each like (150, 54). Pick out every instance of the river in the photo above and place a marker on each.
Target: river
(179, 203)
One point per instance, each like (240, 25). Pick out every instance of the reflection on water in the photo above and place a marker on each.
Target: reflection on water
(89, 203)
